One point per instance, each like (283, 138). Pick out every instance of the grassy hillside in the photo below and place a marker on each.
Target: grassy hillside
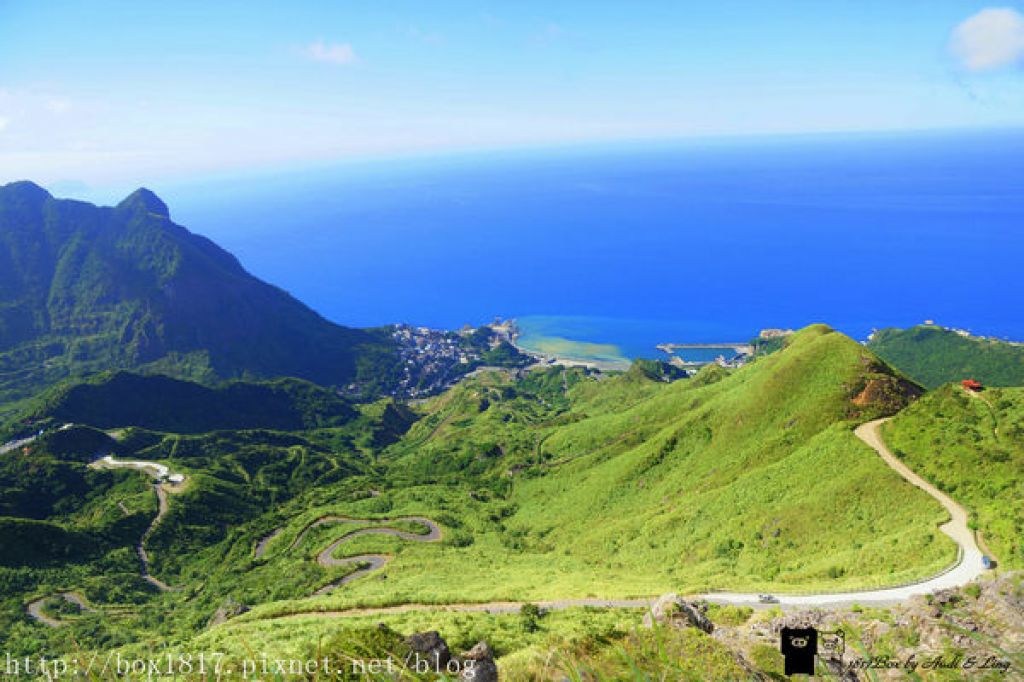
(933, 356)
(65, 526)
(165, 404)
(86, 289)
(561, 484)
(973, 448)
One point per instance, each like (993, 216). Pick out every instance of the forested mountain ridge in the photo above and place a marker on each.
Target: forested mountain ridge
(933, 355)
(86, 288)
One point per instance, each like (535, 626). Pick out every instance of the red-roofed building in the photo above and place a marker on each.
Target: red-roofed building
(971, 385)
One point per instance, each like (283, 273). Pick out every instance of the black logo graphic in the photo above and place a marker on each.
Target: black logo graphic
(799, 646)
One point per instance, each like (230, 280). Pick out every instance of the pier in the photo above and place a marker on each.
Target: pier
(741, 348)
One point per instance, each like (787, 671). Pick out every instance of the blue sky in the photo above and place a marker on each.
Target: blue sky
(140, 92)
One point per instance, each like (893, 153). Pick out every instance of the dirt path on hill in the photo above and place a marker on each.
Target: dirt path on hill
(493, 608)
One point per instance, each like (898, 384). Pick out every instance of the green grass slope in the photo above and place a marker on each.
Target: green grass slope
(559, 484)
(166, 404)
(933, 356)
(750, 480)
(566, 486)
(973, 448)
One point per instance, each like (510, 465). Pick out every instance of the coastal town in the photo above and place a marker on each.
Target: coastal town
(435, 359)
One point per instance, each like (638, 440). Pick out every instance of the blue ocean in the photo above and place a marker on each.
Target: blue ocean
(635, 244)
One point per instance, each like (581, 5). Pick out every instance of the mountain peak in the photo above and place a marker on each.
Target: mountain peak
(26, 190)
(146, 200)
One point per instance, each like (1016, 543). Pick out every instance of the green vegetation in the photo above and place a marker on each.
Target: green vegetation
(686, 479)
(768, 346)
(564, 483)
(164, 404)
(86, 289)
(933, 356)
(655, 654)
(552, 484)
(657, 370)
(972, 446)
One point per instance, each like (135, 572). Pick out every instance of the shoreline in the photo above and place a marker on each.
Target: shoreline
(549, 359)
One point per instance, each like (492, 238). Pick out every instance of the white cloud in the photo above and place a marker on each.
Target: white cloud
(332, 53)
(58, 105)
(991, 39)
(4, 121)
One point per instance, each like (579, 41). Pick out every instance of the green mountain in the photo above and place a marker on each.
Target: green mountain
(933, 356)
(86, 289)
(161, 403)
(742, 479)
(557, 483)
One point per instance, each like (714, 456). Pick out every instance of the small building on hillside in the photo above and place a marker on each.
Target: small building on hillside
(972, 385)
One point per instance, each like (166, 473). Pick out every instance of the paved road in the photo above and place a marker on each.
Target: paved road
(35, 608)
(373, 561)
(140, 549)
(967, 568)
(15, 444)
(433, 535)
(261, 546)
(159, 473)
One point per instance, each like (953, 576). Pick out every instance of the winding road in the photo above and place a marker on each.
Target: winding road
(968, 566)
(161, 474)
(140, 549)
(373, 561)
(35, 608)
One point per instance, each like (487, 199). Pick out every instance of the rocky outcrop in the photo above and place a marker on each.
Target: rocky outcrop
(984, 620)
(478, 664)
(674, 611)
(428, 650)
(429, 647)
(229, 610)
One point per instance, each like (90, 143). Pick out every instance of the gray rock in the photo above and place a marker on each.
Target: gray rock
(947, 597)
(229, 610)
(430, 647)
(671, 609)
(478, 664)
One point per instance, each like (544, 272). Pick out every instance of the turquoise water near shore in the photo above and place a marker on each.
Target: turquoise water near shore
(633, 245)
(611, 339)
